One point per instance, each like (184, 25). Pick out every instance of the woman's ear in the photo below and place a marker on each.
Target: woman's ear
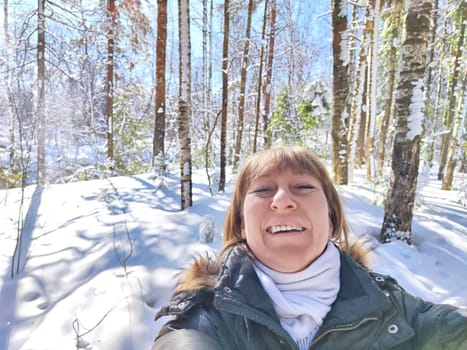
(243, 231)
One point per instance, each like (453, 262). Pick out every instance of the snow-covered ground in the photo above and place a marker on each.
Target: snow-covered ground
(98, 258)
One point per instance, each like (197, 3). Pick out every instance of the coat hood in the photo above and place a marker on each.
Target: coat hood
(203, 272)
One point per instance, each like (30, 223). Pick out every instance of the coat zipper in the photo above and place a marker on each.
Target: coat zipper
(342, 329)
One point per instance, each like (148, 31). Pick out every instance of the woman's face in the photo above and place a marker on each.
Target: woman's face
(286, 220)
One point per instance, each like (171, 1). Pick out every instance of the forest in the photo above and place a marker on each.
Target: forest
(95, 89)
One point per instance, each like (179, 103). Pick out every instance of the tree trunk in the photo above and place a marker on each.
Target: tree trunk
(362, 115)
(11, 97)
(409, 114)
(184, 104)
(267, 88)
(111, 18)
(453, 141)
(454, 153)
(372, 79)
(358, 109)
(451, 98)
(340, 111)
(225, 95)
(161, 44)
(243, 75)
(41, 169)
(388, 101)
(260, 78)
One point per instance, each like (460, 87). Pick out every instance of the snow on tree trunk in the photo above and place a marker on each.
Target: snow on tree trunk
(340, 112)
(409, 114)
(184, 103)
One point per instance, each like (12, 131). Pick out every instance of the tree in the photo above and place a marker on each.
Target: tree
(260, 78)
(359, 105)
(184, 103)
(448, 159)
(372, 73)
(161, 43)
(41, 131)
(409, 114)
(225, 95)
(340, 112)
(453, 144)
(243, 76)
(267, 86)
(109, 82)
(393, 20)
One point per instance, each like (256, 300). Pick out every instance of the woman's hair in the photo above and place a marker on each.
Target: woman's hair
(273, 160)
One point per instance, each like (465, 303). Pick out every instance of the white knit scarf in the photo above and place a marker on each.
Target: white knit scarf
(303, 299)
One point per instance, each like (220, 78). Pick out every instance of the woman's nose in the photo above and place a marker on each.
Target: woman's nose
(283, 200)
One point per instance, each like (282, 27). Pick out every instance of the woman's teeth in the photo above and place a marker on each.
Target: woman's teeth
(276, 229)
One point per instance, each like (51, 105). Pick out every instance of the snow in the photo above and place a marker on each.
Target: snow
(416, 111)
(99, 258)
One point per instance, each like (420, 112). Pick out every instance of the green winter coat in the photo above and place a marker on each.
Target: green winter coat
(226, 308)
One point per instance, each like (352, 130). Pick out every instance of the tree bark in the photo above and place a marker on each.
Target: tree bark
(243, 76)
(340, 111)
(111, 20)
(41, 167)
(267, 88)
(161, 44)
(260, 78)
(451, 159)
(225, 95)
(389, 101)
(451, 98)
(184, 104)
(409, 114)
(451, 137)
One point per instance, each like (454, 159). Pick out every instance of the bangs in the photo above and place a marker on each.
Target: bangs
(278, 160)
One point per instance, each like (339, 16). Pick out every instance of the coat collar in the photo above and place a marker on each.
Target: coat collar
(233, 282)
(204, 271)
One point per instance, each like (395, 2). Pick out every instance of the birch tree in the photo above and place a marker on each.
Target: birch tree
(409, 114)
(184, 103)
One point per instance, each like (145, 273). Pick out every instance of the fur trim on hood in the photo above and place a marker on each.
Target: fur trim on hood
(203, 272)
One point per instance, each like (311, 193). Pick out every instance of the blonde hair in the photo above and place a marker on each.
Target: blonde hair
(277, 159)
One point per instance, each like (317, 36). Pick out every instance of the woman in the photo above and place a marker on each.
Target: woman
(286, 277)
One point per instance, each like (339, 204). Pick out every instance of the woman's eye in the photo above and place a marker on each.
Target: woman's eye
(262, 190)
(305, 187)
